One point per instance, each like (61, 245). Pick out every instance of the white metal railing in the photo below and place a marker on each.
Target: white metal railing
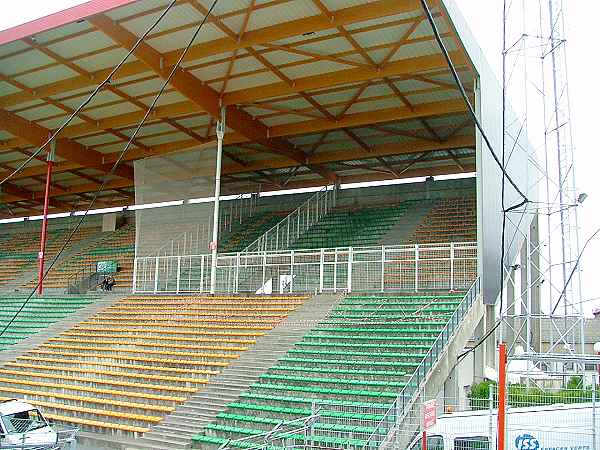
(401, 406)
(236, 211)
(449, 266)
(187, 242)
(295, 223)
(192, 239)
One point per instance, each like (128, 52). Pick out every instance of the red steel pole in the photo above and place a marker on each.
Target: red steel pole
(424, 440)
(502, 397)
(42, 253)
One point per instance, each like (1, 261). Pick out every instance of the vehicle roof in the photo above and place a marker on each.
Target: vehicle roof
(14, 406)
(485, 412)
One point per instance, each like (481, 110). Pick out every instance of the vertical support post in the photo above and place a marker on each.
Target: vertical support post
(215, 237)
(502, 396)
(416, 267)
(451, 266)
(321, 270)
(202, 264)
(178, 271)
(307, 214)
(135, 269)
(335, 193)
(292, 271)
(594, 447)
(536, 283)
(156, 275)
(523, 299)
(424, 440)
(350, 258)
(490, 412)
(264, 269)
(335, 263)
(237, 273)
(509, 337)
(398, 408)
(44, 232)
(382, 268)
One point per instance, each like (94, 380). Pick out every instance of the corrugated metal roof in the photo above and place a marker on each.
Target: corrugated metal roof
(300, 115)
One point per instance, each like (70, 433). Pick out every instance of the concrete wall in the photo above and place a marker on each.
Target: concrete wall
(403, 192)
(53, 224)
(369, 196)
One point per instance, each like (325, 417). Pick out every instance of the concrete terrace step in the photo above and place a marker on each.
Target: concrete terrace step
(176, 429)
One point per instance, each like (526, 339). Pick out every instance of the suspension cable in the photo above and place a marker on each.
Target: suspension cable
(89, 98)
(116, 164)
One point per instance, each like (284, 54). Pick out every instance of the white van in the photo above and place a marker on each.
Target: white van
(552, 427)
(23, 425)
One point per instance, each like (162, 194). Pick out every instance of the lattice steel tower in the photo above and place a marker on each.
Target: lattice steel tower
(535, 65)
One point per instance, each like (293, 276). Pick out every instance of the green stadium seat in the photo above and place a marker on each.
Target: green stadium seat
(352, 371)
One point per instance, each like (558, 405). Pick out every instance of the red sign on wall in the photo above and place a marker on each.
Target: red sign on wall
(429, 414)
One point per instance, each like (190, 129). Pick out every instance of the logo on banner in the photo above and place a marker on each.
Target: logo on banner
(526, 442)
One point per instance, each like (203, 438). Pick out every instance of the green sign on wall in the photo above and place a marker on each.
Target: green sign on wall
(106, 267)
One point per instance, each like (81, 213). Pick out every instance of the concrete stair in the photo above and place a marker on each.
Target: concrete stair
(406, 226)
(176, 429)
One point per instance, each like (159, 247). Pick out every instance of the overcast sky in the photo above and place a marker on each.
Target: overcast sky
(486, 24)
(485, 20)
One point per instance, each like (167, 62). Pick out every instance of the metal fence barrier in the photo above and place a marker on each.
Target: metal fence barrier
(424, 267)
(534, 420)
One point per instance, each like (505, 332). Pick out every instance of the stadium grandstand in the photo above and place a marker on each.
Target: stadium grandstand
(250, 224)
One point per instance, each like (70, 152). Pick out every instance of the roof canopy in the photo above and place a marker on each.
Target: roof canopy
(315, 90)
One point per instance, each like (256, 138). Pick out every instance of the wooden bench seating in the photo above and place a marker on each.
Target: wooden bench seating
(67, 369)
(94, 381)
(12, 390)
(160, 338)
(79, 410)
(123, 368)
(141, 343)
(139, 367)
(110, 393)
(97, 423)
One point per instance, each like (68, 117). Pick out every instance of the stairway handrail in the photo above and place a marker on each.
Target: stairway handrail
(263, 238)
(273, 434)
(227, 217)
(406, 396)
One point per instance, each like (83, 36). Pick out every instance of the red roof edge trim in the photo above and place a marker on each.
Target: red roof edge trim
(60, 18)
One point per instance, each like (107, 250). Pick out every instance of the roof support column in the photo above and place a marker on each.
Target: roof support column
(42, 253)
(215, 231)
